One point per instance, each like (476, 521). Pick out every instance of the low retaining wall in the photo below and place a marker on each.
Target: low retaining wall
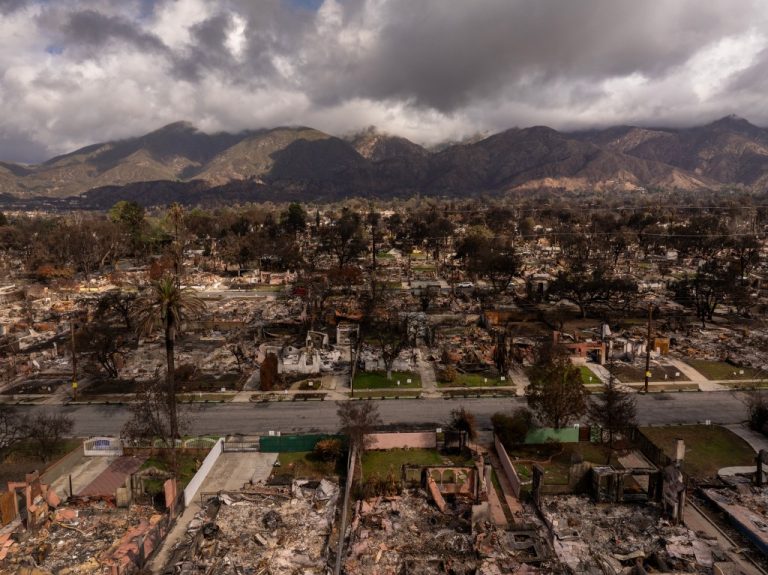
(202, 473)
(509, 469)
(417, 440)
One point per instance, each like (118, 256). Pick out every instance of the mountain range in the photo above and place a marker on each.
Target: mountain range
(180, 163)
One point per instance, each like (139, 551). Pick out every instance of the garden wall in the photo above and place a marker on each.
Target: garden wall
(417, 440)
(202, 473)
(506, 464)
(545, 434)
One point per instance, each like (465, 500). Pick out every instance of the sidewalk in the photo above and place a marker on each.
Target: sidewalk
(756, 440)
(427, 374)
(696, 376)
(520, 381)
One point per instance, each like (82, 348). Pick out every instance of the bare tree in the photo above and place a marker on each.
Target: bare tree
(463, 422)
(105, 344)
(45, 431)
(357, 420)
(391, 337)
(150, 416)
(11, 429)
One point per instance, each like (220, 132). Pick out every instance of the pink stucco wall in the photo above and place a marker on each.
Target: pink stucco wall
(418, 440)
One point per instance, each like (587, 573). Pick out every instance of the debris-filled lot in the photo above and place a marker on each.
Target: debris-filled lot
(280, 532)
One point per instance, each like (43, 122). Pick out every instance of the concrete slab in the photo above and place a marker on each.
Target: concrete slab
(114, 476)
(235, 469)
(82, 475)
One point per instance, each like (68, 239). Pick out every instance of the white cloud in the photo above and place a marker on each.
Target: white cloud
(428, 71)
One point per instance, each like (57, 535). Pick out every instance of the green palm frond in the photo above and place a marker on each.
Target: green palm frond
(166, 305)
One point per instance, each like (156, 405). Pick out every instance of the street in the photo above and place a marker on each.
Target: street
(315, 416)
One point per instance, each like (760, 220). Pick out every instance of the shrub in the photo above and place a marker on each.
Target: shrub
(512, 429)
(328, 449)
(447, 374)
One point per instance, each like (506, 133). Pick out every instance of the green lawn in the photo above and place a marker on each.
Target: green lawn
(721, 370)
(475, 380)
(586, 374)
(479, 393)
(378, 380)
(556, 462)
(303, 464)
(707, 447)
(187, 466)
(388, 393)
(630, 374)
(382, 463)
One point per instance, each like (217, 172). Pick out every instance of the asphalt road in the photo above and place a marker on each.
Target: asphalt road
(315, 416)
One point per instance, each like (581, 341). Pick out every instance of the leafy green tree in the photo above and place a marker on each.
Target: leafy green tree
(713, 281)
(294, 219)
(589, 288)
(512, 429)
(130, 216)
(614, 410)
(556, 394)
(344, 238)
(166, 305)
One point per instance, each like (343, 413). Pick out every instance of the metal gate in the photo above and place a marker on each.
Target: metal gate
(241, 444)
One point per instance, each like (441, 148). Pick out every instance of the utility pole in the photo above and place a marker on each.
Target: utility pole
(74, 359)
(648, 349)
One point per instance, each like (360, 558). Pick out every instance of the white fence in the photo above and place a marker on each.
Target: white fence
(202, 473)
(508, 467)
(95, 446)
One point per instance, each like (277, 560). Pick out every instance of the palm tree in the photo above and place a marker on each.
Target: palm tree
(166, 305)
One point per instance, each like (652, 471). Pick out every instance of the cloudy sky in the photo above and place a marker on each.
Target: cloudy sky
(74, 72)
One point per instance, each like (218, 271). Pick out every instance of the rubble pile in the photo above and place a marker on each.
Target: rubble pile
(468, 346)
(612, 539)
(406, 534)
(77, 540)
(263, 532)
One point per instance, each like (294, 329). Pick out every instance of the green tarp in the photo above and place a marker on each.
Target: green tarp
(544, 434)
(291, 443)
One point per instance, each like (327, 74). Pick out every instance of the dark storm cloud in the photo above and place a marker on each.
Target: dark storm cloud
(427, 69)
(17, 146)
(7, 6)
(208, 50)
(443, 56)
(94, 30)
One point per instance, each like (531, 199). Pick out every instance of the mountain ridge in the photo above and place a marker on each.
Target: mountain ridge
(302, 162)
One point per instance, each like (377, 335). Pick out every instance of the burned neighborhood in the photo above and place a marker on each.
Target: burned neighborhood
(163, 315)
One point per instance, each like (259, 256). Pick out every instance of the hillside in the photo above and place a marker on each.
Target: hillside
(304, 163)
